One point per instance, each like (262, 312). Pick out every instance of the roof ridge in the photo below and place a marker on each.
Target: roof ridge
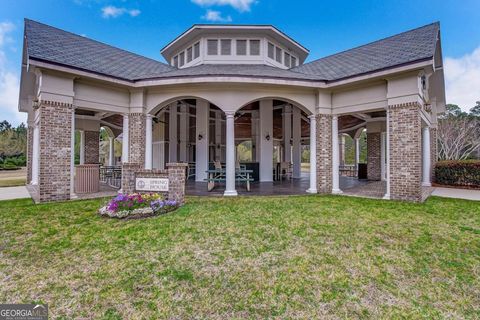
(370, 43)
(97, 41)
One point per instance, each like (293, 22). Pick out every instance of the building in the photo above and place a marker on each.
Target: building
(231, 85)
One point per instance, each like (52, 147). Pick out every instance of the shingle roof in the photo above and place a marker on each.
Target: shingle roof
(407, 47)
(54, 45)
(251, 70)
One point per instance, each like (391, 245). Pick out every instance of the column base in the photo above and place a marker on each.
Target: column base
(310, 190)
(386, 196)
(73, 196)
(426, 184)
(230, 193)
(337, 191)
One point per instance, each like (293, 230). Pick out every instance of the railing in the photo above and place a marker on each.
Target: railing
(348, 171)
(111, 176)
(87, 178)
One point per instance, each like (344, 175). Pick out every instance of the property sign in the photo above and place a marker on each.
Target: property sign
(151, 184)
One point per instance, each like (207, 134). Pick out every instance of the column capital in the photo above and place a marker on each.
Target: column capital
(230, 114)
(312, 117)
(149, 116)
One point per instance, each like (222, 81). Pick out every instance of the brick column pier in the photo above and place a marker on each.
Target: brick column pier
(324, 153)
(433, 152)
(55, 151)
(405, 130)
(136, 138)
(29, 152)
(176, 177)
(373, 155)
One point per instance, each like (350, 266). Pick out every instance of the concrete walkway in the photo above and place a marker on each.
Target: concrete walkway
(457, 193)
(10, 193)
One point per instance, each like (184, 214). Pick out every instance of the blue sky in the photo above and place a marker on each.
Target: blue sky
(324, 27)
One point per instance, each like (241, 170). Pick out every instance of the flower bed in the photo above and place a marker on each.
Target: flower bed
(134, 206)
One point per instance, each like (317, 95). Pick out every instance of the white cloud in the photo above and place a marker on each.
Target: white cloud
(9, 81)
(240, 5)
(216, 16)
(114, 12)
(462, 79)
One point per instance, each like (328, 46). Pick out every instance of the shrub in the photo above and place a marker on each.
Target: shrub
(10, 166)
(458, 173)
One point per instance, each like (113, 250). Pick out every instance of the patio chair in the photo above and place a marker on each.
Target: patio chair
(286, 170)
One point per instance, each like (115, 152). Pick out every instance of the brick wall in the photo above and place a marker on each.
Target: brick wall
(433, 152)
(55, 151)
(175, 173)
(136, 138)
(374, 162)
(92, 147)
(29, 153)
(405, 152)
(324, 153)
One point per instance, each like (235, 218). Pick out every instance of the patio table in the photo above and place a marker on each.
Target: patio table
(219, 175)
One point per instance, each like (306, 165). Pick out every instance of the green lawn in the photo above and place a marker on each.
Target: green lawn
(272, 257)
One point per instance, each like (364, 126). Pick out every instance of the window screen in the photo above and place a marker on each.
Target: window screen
(175, 61)
(271, 51)
(189, 54)
(212, 47)
(181, 57)
(225, 47)
(241, 47)
(196, 50)
(254, 47)
(278, 54)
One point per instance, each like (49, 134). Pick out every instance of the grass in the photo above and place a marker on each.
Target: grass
(12, 182)
(267, 257)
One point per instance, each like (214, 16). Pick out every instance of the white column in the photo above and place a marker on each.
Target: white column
(230, 165)
(148, 142)
(266, 140)
(183, 133)
(313, 154)
(82, 147)
(335, 157)
(72, 155)
(357, 152)
(201, 136)
(426, 157)
(172, 133)
(297, 143)
(35, 154)
(387, 155)
(383, 145)
(125, 139)
(111, 151)
(287, 133)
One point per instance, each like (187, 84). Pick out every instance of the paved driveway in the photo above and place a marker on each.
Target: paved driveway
(10, 193)
(457, 193)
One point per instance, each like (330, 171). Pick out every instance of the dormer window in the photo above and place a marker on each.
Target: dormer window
(271, 51)
(189, 54)
(196, 50)
(241, 47)
(225, 47)
(278, 54)
(287, 60)
(212, 47)
(254, 47)
(181, 58)
(175, 61)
